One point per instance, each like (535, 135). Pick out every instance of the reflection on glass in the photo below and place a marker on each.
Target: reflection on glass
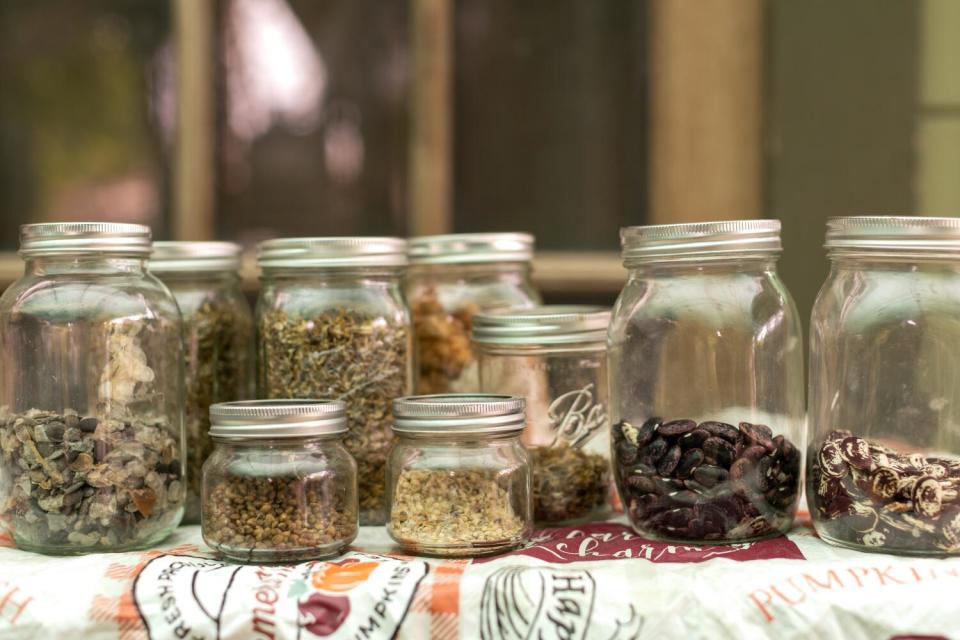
(87, 109)
(550, 121)
(312, 108)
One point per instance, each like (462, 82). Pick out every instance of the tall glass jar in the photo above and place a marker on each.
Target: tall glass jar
(706, 370)
(217, 338)
(451, 278)
(884, 448)
(279, 485)
(91, 431)
(458, 476)
(556, 358)
(332, 323)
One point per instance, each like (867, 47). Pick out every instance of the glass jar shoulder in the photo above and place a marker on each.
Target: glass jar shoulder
(322, 294)
(862, 301)
(694, 301)
(220, 292)
(486, 287)
(93, 297)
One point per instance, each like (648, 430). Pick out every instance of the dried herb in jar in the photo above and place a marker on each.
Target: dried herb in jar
(89, 482)
(443, 507)
(444, 354)
(708, 481)
(217, 339)
(871, 495)
(568, 484)
(246, 515)
(343, 355)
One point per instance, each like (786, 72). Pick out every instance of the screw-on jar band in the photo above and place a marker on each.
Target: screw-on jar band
(464, 248)
(893, 235)
(334, 252)
(459, 414)
(57, 238)
(546, 325)
(700, 240)
(261, 419)
(178, 257)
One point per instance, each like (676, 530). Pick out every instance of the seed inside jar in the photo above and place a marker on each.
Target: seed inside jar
(461, 508)
(875, 496)
(278, 517)
(709, 481)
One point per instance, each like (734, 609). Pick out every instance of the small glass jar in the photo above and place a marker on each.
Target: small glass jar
(451, 278)
(91, 431)
(883, 459)
(217, 338)
(459, 479)
(332, 323)
(556, 358)
(706, 372)
(279, 485)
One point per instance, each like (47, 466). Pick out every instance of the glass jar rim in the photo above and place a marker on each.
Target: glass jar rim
(893, 235)
(465, 248)
(455, 414)
(277, 419)
(543, 325)
(189, 257)
(698, 240)
(332, 252)
(62, 238)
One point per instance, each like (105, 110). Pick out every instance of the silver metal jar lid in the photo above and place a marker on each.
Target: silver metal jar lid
(171, 257)
(333, 252)
(552, 324)
(459, 414)
(253, 419)
(894, 234)
(57, 238)
(700, 239)
(460, 248)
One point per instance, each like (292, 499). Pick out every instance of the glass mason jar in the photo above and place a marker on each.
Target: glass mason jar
(706, 371)
(332, 323)
(884, 448)
(217, 339)
(279, 485)
(556, 358)
(458, 477)
(451, 278)
(91, 431)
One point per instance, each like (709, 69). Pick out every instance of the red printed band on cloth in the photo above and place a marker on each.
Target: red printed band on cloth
(608, 541)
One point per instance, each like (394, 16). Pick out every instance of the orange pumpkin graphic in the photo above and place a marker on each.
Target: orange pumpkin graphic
(342, 576)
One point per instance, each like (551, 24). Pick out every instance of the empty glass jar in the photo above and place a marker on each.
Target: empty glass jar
(451, 278)
(458, 476)
(91, 431)
(706, 370)
(884, 448)
(279, 485)
(332, 323)
(556, 358)
(217, 338)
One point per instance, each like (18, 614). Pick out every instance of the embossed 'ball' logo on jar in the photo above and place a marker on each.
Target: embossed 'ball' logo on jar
(575, 416)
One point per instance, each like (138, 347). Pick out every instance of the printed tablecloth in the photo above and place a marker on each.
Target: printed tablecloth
(594, 581)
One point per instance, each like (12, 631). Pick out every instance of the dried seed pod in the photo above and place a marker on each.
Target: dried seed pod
(710, 475)
(718, 451)
(669, 461)
(927, 496)
(856, 452)
(694, 439)
(831, 461)
(689, 462)
(652, 453)
(885, 483)
(677, 428)
(721, 430)
(647, 431)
